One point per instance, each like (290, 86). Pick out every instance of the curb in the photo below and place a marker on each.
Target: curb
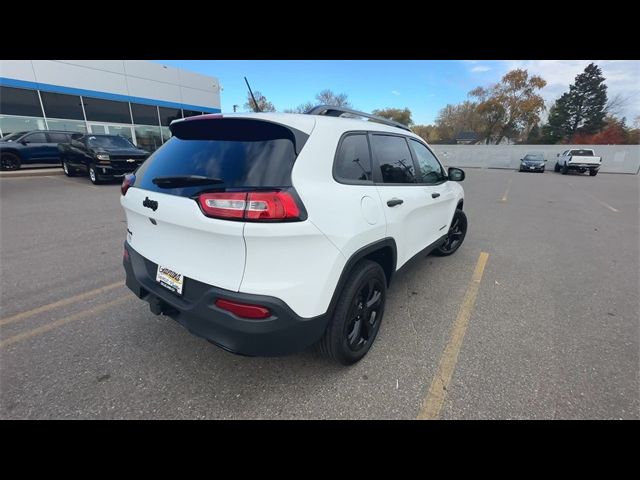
(32, 173)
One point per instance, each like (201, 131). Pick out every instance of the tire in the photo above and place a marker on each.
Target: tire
(10, 161)
(455, 236)
(564, 170)
(93, 176)
(556, 167)
(347, 338)
(68, 171)
(593, 173)
(542, 171)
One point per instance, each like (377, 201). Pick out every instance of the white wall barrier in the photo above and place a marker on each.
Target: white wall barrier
(615, 158)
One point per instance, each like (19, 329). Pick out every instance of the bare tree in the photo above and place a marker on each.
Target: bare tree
(616, 104)
(261, 100)
(327, 97)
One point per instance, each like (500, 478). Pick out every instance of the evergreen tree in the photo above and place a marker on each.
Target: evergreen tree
(557, 126)
(587, 101)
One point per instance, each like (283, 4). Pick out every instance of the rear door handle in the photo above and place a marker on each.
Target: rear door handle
(435, 195)
(395, 201)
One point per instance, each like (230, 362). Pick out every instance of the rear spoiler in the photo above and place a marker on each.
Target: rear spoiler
(217, 127)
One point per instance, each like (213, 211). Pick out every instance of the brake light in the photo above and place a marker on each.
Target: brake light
(255, 206)
(128, 181)
(243, 310)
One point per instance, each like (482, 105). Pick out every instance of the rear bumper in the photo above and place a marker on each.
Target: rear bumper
(588, 166)
(282, 333)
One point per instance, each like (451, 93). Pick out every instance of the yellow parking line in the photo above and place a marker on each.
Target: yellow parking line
(59, 303)
(602, 203)
(506, 193)
(434, 400)
(50, 326)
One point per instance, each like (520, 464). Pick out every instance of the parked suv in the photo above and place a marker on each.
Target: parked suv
(266, 233)
(38, 146)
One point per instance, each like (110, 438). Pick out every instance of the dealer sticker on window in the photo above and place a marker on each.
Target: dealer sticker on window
(170, 279)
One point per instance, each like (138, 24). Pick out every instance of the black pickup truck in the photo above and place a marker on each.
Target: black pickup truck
(103, 157)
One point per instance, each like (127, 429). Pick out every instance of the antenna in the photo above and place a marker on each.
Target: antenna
(256, 108)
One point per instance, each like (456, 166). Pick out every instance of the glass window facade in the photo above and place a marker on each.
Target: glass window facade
(10, 124)
(100, 110)
(59, 105)
(19, 101)
(67, 125)
(168, 115)
(144, 114)
(145, 125)
(191, 113)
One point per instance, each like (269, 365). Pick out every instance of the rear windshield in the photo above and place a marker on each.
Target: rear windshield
(241, 154)
(581, 153)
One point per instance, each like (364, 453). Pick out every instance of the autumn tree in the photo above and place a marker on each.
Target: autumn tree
(402, 116)
(511, 106)
(615, 132)
(453, 119)
(429, 133)
(263, 104)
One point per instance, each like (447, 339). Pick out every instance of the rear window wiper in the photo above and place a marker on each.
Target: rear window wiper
(185, 181)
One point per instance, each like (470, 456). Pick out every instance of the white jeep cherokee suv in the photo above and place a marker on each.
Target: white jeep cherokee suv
(266, 233)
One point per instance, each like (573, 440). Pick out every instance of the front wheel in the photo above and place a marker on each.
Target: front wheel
(10, 161)
(68, 171)
(564, 170)
(455, 236)
(556, 167)
(357, 315)
(593, 173)
(93, 176)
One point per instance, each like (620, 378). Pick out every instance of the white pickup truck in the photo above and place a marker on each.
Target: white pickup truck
(580, 159)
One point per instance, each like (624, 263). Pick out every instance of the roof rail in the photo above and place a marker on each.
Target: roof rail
(334, 111)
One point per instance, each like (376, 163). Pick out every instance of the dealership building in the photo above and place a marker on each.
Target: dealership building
(133, 98)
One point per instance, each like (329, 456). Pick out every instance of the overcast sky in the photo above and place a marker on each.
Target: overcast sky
(424, 86)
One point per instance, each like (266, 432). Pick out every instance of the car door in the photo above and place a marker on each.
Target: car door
(440, 196)
(35, 147)
(403, 199)
(54, 138)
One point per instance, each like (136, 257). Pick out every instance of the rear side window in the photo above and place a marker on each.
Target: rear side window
(353, 162)
(394, 159)
(241, 153)
(39, 137)
(58, 138)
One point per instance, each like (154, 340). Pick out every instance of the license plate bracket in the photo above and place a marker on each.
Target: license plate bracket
(170, 279)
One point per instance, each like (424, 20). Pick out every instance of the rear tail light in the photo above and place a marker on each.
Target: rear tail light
(256, 206)
(129, 179)
(243, 310)
(125, 255)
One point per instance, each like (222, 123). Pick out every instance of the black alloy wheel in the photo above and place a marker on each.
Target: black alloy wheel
(363, 318)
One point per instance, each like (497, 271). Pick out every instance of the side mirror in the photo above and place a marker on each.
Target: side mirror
(456, 174)
(557, 154)
(24, 142)
(546, 160)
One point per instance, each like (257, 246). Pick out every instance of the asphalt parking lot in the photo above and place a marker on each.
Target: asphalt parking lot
(553, 332)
